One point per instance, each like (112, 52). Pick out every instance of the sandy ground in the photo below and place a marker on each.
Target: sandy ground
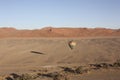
(22, 55)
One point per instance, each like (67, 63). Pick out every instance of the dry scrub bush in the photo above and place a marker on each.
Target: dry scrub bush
(117, 63)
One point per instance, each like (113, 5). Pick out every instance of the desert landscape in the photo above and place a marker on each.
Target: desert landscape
(45, 54)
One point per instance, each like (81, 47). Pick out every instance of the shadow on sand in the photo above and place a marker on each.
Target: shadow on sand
(36, 52)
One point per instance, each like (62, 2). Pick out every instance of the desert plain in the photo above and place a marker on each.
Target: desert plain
(45, 54)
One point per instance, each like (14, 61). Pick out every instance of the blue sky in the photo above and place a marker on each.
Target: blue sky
(32, 14)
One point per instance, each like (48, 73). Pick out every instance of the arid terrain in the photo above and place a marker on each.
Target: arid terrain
(46, 55)
(59, 32)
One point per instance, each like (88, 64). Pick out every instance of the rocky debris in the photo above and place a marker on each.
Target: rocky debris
(64, 74)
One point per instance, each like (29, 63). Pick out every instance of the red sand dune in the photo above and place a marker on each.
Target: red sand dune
(59, 32)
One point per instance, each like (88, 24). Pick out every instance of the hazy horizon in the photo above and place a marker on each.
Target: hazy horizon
(36, 14)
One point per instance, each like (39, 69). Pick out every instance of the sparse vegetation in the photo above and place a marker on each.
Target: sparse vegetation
(81, 70)
(64, 73)
(77, 70)
(67, 69)
(101, 65)
(54, 75)
(25, 77)
(117, 63)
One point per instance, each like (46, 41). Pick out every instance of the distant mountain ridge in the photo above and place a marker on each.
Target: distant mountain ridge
(59, 32)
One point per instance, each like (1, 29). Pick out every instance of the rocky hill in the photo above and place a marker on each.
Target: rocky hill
(59, 32)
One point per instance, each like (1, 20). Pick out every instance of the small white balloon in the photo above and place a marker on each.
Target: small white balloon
(72, 44)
